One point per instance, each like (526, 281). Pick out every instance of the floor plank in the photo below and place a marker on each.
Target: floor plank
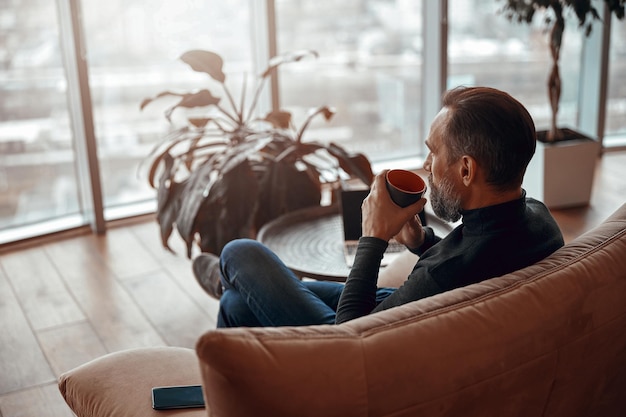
(67, 347)
(179, 321)
(22, 363)
(38, 401)
(115, 317)
(39, 288)
(123, 254)
(176, 264)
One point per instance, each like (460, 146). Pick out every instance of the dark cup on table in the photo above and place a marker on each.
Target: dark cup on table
(405, 187)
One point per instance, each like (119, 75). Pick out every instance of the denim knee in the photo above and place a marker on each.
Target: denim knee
(234, 312)
(241, 246)
(244, 258)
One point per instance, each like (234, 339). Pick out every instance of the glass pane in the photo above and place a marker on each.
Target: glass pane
(616, 95)
(485, 48)
(133, 50)
(369, 69)
(37, 170)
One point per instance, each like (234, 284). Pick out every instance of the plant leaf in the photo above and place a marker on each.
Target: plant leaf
(205, 61)
(327, 112)
(279, 118)
(188, 156)
(294, 56)
(173, 139)
(228, 211)
(199, 121)
(354, 164)
(198, 99)
(235, 155)
(298, 150)
(149, 100)
(201, 179)
(284, 189)
(201, 98)
(168, 200)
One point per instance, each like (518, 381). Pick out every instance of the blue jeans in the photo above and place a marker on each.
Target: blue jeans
(259, 290)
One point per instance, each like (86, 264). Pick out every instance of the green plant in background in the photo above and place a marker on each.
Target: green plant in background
(222, 176)
(523, 11)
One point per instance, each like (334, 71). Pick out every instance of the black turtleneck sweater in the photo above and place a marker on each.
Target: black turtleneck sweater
(490, 242)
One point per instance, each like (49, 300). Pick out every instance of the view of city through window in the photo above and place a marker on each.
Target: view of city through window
(370, 68)
(132, 49)
(37, 170)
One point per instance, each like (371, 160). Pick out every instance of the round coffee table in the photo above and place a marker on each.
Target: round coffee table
(309, 241)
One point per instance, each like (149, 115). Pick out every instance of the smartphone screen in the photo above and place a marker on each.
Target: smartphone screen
(181, 396)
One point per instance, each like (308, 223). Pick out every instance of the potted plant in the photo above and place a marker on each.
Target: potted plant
(562, 170)
(224, 174)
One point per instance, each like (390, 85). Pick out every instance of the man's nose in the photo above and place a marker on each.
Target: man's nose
(427, 162)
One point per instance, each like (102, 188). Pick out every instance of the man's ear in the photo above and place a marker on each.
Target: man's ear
(468, 169)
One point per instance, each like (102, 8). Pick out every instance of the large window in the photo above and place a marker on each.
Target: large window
(382, 65)
(131, 49)
(37, 170)
(369, 69)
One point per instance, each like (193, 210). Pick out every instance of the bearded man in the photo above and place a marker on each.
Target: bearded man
(480, 144)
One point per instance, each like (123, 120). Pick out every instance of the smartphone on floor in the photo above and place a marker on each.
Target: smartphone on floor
(180, 396)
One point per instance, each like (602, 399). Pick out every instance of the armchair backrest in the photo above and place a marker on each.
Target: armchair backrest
(546, 340)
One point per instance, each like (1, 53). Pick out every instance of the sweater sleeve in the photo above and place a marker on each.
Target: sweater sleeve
(358, 297)
(359, 294)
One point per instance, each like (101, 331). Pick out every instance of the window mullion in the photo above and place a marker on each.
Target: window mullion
(75, 57)
(264, 47)
(435, 60)
(593, 80)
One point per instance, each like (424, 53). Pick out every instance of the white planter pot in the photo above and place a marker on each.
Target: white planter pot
(561, 174)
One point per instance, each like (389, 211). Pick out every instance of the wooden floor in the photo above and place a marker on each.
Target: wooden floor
(67, 301)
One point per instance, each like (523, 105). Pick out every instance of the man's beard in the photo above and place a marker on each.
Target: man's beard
(445, 204)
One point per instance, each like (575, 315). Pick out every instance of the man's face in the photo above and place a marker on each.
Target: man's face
(444, 196)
